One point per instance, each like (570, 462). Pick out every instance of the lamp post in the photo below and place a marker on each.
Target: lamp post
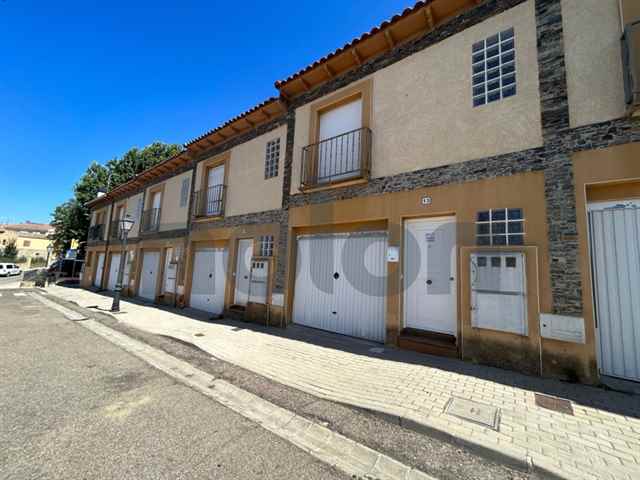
(125, 224)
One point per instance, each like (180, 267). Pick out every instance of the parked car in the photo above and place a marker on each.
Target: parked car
(9, 269)
(69, 268)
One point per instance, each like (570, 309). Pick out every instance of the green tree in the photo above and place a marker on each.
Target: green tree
(10, 251)
(71, 220)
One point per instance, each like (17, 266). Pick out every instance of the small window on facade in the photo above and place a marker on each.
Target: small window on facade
(504, 226)
(494, 68)
(266, 246)
(511, 262)
(272, 159)
(482, 261)
(184, 193)
(26, 243)
(496, 262)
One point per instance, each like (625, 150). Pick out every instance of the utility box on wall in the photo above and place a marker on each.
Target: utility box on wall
(498, 291)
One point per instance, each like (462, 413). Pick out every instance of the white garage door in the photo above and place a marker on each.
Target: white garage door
(615, 256)
(341, 284)
(149, 275)
(209, 280)
(97, 280)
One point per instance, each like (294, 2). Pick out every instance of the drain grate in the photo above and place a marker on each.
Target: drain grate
(485, 415)
(554, 403)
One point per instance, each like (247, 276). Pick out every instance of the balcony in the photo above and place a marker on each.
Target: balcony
(210, 202)
(114, 230)
(150, 220)
(96, 232)
(631, 65)
(337, 159)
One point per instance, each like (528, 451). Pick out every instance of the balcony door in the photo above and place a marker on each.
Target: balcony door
(215, 185)
(339, 144)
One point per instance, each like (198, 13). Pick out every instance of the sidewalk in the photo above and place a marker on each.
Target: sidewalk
(601, 440)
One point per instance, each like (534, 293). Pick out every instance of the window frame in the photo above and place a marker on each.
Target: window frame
(266, 246)
(507, 221)
(482, 48)
(272, 159)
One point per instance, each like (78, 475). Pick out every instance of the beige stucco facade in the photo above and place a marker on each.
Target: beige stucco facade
(134, 210)
(173, 215)
(592, 32)
(422, 114)
(245, 172)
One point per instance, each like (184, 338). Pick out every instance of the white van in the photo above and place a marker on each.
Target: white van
(8, 269)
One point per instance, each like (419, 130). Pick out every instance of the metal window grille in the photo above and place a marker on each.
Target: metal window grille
(266, 245)
(494, 68)
(504, 226)
(272, 159)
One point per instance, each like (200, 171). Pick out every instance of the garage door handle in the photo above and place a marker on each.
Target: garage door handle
(211, 275)
(334, 313)
(429, 282)
(336, 275)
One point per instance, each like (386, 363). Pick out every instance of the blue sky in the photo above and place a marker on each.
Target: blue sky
(87, 80)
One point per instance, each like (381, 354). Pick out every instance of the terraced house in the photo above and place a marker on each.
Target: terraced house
(462, 180)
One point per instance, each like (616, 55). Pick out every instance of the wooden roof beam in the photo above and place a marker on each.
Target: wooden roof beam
(356, 55)
(328, 71)
(430, 17)
(389, 38)
(305, 84)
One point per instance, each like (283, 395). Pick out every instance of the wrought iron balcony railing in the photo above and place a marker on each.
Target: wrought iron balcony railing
(96, 232)
(210, 202)
(337, 159)
(114, 230)
(150, 220)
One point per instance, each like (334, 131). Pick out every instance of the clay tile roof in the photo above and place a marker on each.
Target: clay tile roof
(233, 120)
(29, 227)
(353, 43)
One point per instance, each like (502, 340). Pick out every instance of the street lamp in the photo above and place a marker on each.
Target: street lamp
(125, 224)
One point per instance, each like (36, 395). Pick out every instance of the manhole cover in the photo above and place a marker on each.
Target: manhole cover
(475, 412)
(554, 403)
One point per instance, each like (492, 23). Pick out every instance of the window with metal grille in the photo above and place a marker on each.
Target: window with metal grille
(272, 159)
(494, 68)
(184, 192)
(504, 226)
(266, 246)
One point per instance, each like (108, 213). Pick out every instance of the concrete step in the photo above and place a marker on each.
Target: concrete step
(431, 343)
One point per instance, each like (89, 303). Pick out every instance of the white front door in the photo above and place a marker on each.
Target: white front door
(170, 272)
(341, 283)
(149, 275)
(97, 280)
(114, 268)
(209, 280)
(243, 271)
(430, 297)
(615, 256)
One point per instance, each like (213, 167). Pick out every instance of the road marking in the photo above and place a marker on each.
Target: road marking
(68, 313)
(330, 447)
(20, 294)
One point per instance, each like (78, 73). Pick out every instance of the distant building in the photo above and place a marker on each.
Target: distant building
(31, 239)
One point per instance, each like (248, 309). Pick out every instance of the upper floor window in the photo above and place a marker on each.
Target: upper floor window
(26, 243)
(272, 159)
(184, 193)
(494, 68)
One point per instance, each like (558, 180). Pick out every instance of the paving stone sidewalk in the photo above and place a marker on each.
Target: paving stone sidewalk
(600, 441)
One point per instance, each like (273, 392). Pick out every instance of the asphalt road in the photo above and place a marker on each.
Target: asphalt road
(10, 281)
(74, 406)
